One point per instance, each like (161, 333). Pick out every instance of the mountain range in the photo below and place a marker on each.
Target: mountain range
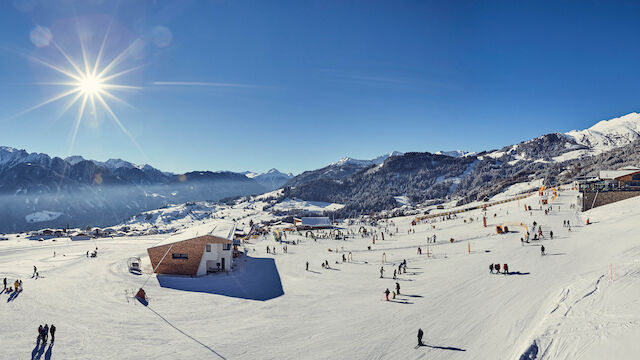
(41, 191)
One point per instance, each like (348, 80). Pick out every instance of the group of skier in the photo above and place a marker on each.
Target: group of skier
(394, 293)
(496, 267)
(17, 286)
(43, 333)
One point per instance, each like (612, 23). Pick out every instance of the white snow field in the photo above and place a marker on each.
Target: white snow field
(560, 306)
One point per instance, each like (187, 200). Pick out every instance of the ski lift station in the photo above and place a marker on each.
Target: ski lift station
(194, 256)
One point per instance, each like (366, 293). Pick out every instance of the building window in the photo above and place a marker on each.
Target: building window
(226, 247)
(208, 247)
(180, 256)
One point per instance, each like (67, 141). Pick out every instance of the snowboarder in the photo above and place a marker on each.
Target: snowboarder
(420, 333)
(52, 330)
(542, 250)
(387, 292)
(381, 271)
(307, 266)
(398, 288)
(491, 268)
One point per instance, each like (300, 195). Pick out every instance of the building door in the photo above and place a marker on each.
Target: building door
(222, 264)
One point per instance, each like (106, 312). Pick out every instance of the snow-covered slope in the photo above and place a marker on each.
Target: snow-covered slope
(577, 302)
(455, 153)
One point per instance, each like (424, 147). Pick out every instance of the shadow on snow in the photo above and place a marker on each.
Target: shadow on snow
(253, 279)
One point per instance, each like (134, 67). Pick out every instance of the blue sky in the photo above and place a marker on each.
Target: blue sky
(298, 84)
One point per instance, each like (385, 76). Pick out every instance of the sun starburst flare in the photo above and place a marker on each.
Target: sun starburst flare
(88, 85)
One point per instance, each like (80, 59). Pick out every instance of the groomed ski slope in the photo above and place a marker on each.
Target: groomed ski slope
(559, 306)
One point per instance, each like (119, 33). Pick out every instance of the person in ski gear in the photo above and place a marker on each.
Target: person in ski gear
(40, 332)
(268, 250)
(491, 268)
(419, 251)
(394, 274)
(420, 334)
(45, 333)
(393, 293)
(344, 258)
(551, 234)
(387, 292)
(52, 330)
(497, 267)
(542, 250)
(5, 283)
(381, 271)
(307, 266)
(398, 288)
(16, 285)
(35, 271)
(506, 268)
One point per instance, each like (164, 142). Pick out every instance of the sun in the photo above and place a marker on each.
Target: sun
(91, 85)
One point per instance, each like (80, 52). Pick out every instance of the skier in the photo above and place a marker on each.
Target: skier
(387, 292)
(40, 332)
(5, 283)
(419, 251)
(307, 266)
(53, 333)
(381, 271)
(491, 268)
(344, 258)
(45, 333)
(35, 271)
(497, 267)
(551, 234)
(506, 269)
(16, 285)
(268, 250)
(420, 333)
(542, 250)
(398, 288)
(394, 274)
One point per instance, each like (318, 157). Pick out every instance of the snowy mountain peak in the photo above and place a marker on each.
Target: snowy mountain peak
(608, 134)
(72, 160)
(363, 163)
(455, 153)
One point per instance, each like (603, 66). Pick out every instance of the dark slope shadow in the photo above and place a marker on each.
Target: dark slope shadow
(47, 355)
(443, 347)
(315, 272)
(413, 296)
(552, 254)
(400, 301)
(253, 279)
(13, 296)
(518, 273)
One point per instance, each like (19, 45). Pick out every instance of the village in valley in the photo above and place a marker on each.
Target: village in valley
(535, 268)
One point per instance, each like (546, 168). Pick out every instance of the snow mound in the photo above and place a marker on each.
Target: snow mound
(41, 216)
